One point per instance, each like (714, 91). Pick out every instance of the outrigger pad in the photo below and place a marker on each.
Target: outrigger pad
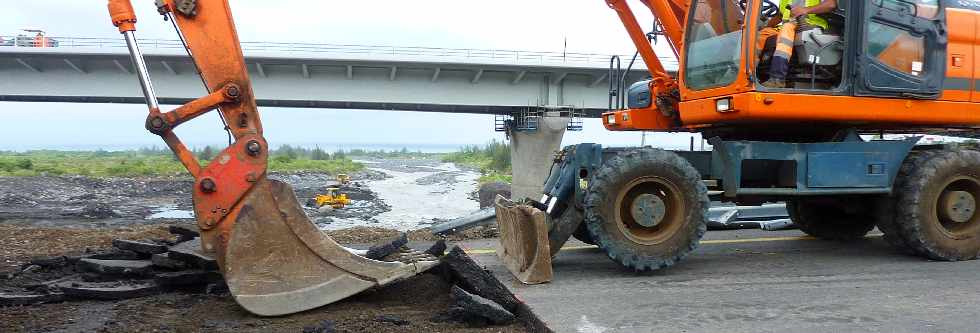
(279, 263)
(524, 246)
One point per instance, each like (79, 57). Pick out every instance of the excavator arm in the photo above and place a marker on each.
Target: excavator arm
(273, 258)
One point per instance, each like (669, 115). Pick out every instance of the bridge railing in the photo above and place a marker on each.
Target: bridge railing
(514, 56)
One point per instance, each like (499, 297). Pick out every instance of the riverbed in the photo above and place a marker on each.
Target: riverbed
(418, 193)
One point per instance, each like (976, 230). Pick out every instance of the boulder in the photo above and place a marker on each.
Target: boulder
(489, 191)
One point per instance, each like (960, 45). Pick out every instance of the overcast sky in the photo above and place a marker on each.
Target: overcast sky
(539, 25)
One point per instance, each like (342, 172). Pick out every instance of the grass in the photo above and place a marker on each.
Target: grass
(156, 162)
(493, 160)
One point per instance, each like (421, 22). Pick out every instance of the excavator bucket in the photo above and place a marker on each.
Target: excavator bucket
(277, 262)
(524, 245)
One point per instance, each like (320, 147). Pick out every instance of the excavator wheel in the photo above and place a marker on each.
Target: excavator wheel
(842, 219)
(936, 205)
(887, 206)
(647, 208)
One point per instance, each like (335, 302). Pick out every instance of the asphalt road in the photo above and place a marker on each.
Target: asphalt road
(755, 281)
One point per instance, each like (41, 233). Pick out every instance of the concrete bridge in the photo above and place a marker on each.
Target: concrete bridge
(98, 70)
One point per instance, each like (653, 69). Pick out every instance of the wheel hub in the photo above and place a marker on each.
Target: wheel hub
(957, 206)
(648, 210)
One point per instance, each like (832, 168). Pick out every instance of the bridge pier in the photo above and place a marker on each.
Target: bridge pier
(531, 155)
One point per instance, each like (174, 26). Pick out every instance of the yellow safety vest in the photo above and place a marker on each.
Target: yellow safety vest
(812, 19)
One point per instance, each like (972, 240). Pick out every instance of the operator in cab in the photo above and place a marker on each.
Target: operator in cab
(796, 16)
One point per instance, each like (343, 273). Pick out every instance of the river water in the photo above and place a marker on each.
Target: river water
(419, 192)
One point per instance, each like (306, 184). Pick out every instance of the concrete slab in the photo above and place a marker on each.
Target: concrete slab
(754, 281)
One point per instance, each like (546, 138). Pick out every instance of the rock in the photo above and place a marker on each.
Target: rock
(99, 210)
(114, 254)
(163, 260)
(141, 247)
(190, 253)
(377, 252)
(489, 191)
(438, 249)
(187, 278)
(325, 326)
(50, 262)
(109, 291)
(474, 279)
(116, 267)
(477, 306)
(184, 232)
(28, 299)
(392, 319)
(325, 209)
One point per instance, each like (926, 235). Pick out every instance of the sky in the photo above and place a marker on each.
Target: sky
(589, 26)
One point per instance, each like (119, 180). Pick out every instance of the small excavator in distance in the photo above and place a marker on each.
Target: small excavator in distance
(881, 67)
(274, 260)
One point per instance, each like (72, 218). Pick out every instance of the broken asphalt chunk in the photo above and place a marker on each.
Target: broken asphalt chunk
(141, 247)
(184, 232)
(190, 253)
(474, 279)
(378, 252)
(28, 299)
(116, 267)
(109, 291)
(115, 254)
(163, 260)
(476, 306)
(187, 278)
(438, 249)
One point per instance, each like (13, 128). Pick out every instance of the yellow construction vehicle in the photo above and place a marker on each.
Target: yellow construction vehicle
(343, 178)
(332, 198)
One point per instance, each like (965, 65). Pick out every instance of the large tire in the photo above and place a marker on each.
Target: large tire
(582, 234)
(639, 178)
(887, 205)
(834, 218)
(935, 210)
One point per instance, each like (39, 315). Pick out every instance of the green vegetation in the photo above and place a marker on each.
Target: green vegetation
(157, 162)
(493, 160)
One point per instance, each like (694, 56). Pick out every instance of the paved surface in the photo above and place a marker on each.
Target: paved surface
(752, 281)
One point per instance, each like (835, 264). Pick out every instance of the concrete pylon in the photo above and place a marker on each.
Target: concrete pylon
(531, 156)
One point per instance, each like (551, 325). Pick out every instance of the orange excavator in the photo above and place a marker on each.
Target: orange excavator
(881, 67)
(274, 260)
(838, 143)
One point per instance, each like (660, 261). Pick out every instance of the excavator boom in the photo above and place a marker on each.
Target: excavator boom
(273, 258)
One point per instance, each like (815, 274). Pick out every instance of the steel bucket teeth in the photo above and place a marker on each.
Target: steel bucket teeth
(524, 246)
(277, 262)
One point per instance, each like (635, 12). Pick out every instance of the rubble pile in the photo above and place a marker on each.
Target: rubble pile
(131, 269)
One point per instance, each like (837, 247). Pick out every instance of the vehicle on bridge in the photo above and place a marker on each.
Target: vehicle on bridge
(813, 140)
